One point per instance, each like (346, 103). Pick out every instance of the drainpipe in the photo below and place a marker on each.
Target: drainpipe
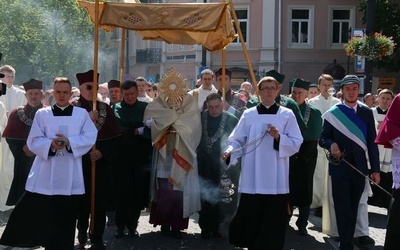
(279, 35)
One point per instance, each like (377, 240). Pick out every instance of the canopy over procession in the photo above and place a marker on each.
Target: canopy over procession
(251, 162)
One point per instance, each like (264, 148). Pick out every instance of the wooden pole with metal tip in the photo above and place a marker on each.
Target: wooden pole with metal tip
(223, 73)
(122, 56)
(95, 81)
(246, 53)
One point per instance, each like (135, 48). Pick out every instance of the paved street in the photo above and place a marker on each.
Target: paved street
(151, 238)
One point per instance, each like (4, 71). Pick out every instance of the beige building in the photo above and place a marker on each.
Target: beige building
(297, 38)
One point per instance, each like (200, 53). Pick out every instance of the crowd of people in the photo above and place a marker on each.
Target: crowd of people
(243, 160)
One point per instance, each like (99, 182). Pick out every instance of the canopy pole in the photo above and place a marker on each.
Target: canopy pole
(246, 54)
(223, 72)
(122, 56)
(95, 82)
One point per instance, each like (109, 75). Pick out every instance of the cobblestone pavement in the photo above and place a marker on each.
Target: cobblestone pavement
(151, 238)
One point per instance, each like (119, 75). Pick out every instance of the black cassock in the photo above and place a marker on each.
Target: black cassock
(16, 133)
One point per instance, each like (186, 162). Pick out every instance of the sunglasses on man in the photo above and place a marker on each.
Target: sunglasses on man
(89, 87)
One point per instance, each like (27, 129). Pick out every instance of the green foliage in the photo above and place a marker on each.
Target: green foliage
(387, 18)
(43, 39)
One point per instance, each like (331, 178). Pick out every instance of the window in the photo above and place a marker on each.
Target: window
(301, 27)
(242, 16)
(170, 47)
(341, 23)
(181, 47)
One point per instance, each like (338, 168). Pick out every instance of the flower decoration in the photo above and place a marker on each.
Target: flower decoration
(372, 47)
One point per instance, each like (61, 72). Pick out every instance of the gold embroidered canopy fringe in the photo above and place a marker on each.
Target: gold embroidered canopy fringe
(209, 25)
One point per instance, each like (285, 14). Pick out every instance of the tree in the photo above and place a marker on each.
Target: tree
(43, 39)
(387, 22)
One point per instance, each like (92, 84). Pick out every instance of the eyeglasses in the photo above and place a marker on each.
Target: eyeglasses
(89, 87)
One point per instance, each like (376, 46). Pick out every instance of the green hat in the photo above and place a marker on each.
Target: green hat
(313, 85)
(301, 83)
(349, 79)
(278, 77)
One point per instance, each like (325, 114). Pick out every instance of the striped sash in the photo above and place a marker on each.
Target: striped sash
(348, 123)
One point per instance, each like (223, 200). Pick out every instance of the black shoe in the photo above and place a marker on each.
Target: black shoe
(82, 238)
(133, 233)
(119, 234)
(318, 212)
(205, 234)
(110, 223)
(302, 231)
(166, 230)
(100, 246)
(79, 247)
(216, 235)
(364, 241)
(176, 233)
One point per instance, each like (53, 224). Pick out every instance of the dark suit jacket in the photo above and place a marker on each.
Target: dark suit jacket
(353, 152)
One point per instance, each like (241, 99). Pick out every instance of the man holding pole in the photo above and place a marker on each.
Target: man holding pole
(234, 102)
(104, 157)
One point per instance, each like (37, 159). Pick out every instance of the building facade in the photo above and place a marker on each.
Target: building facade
(298, 38)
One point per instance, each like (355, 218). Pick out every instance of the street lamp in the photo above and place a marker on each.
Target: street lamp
(370, 27)
(348, 57)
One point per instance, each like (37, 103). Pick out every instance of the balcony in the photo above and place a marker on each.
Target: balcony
(148, 56)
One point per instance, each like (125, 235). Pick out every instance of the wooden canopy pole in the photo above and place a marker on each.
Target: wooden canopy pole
(122, 56)
(246, 54)
(223, 72)
(95, 82)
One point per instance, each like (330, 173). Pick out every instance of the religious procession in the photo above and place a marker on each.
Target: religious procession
(175, 152)
(89, 165)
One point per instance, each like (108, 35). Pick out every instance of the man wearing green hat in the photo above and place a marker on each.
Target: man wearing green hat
(286, 101)
(302, 164)
(349, 133)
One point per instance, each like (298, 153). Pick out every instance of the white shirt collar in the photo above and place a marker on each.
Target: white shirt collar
(355, 107)
(62, 108)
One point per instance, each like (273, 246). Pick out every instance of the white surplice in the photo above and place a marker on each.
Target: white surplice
(385, 154)
(13, 98)
(202, 94)
(265, 170)
(321, 168)
(60, 174)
